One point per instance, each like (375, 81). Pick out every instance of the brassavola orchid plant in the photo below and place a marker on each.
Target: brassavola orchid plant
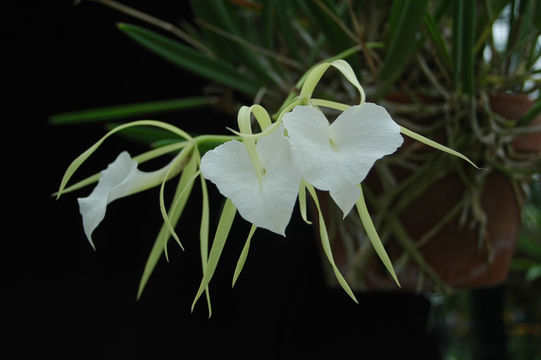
(261, 174)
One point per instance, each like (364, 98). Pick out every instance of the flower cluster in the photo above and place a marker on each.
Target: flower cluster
(263, 174)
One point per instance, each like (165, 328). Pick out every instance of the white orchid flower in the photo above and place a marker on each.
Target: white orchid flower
(121, 178)
(338, 156)
(267, 202)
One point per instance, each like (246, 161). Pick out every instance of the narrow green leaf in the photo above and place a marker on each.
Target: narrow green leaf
(373, 235)
(215, 12)
(395, 14)
(191, 60)
(324, 15)
(441, 10)
(326, 244)
(468, 43)
(224, 225)
(267, 24)
(224, 16)
(221, 15)
(534, 52)
(434, 144)
(243, 255)
(437, 39)
(526, 20)
(131, 110)
(316, 49)
(286, 30)
(457, 45)
(484, 23)
(402, 43)
(537, 16)
(253, 55)
(180, 199)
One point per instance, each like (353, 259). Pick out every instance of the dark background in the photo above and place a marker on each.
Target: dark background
(68, 300)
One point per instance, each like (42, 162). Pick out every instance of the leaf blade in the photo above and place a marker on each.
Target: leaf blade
(129, 110)
(402, 41)
(189, 59)
(437, 38)
(468, 43)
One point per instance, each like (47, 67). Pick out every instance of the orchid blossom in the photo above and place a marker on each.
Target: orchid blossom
(337, 157)
(267, 202)
(120, 179)
(261, 174)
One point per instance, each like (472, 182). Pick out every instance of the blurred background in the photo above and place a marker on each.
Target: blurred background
(70, 300)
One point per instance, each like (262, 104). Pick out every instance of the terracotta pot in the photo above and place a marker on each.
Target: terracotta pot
(456, 256)
(512, 107)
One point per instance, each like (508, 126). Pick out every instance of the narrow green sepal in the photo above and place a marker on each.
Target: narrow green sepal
(435, 145)
(325, 242)
(373, 235)
(243, 255)
(204, 229)
(302, 202)
(180, 199)
(224, 225)
(182, 157)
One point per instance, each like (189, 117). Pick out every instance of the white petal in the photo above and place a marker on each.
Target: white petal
(345, 195)
(308, 132)
(362, 135)
(92, 208)
(120, 178)
(270, 205)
